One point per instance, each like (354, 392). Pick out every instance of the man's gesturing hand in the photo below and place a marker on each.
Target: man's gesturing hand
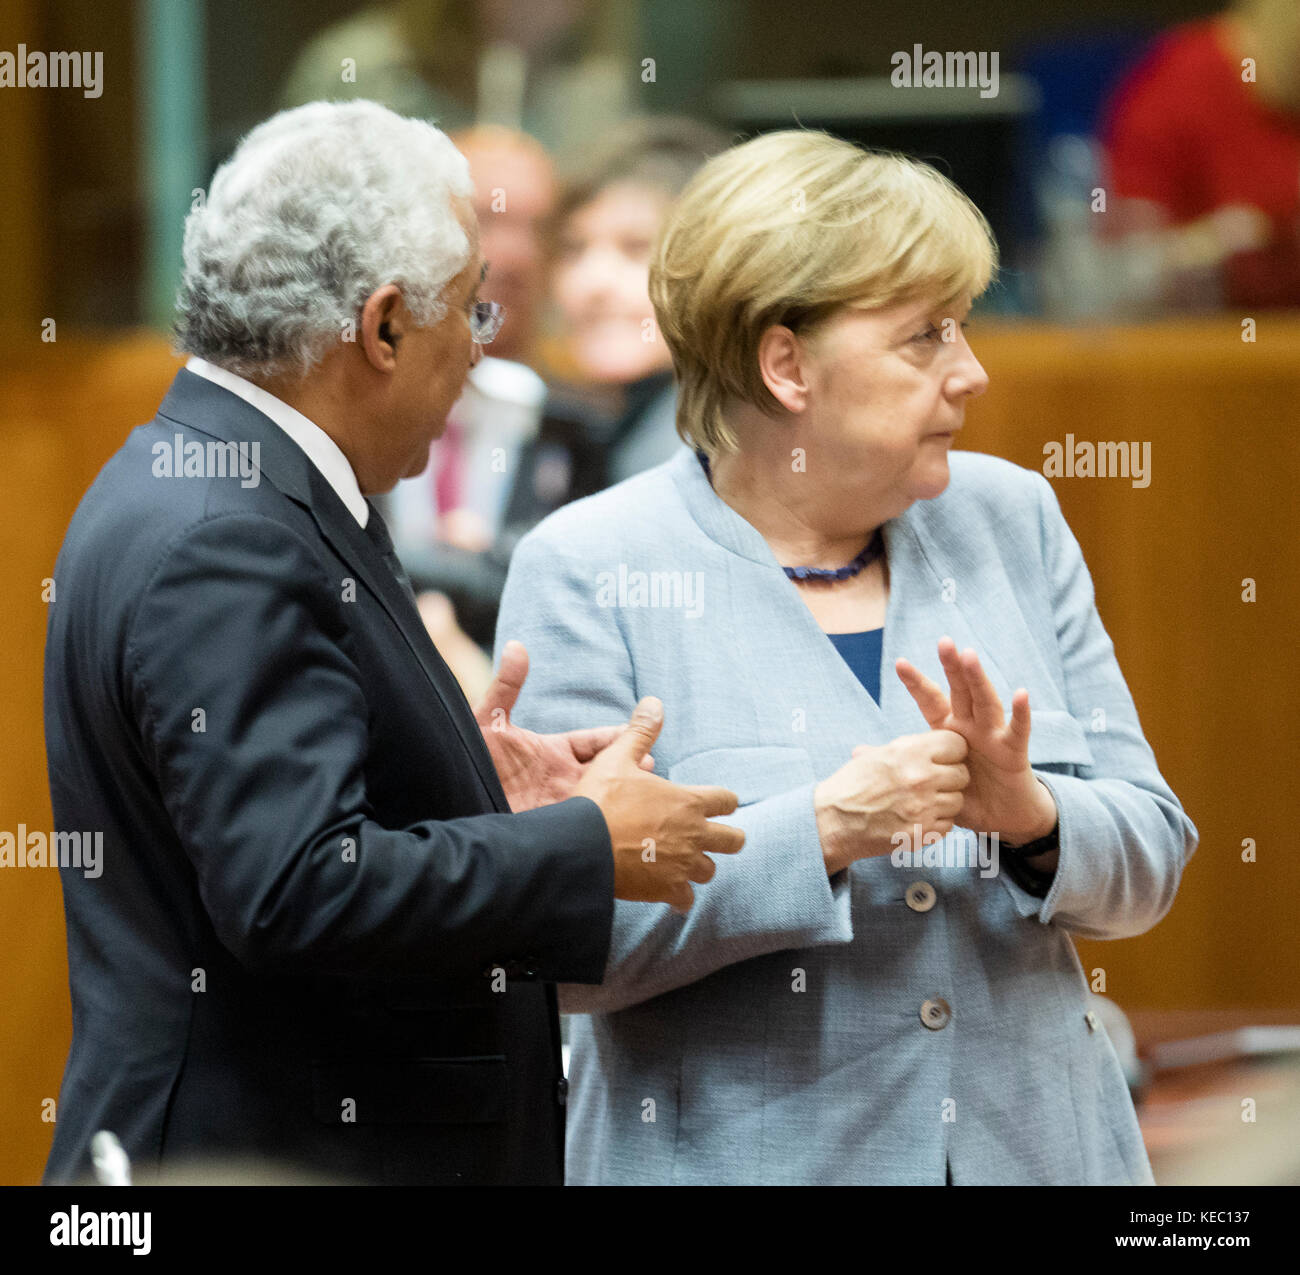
(535, 770)
(660, 832)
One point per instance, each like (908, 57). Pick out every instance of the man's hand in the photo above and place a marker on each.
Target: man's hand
(1003, 795)
(659, 831)
(535, 770)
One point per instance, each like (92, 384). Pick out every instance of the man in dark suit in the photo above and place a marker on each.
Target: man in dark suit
(331, 901)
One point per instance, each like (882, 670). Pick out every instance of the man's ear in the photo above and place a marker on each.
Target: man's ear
(781, 363)
(384, 320)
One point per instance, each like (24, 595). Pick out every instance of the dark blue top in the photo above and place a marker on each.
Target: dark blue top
(861, 652)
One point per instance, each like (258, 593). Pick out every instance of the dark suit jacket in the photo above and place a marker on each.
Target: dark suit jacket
(309, 868)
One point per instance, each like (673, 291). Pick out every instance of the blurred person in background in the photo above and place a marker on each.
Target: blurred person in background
(606, 225)
(556, 69)
(1203, 151)
(459, 500)
(856, 1000)
(446, 519)
(514, 199)
(515, 449)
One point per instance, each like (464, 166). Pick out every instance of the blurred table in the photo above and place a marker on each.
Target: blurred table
(1191, 1117)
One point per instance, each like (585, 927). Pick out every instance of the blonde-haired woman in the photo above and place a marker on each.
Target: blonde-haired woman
(877, 990)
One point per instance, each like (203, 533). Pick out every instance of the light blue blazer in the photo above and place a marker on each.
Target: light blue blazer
(788, 1029)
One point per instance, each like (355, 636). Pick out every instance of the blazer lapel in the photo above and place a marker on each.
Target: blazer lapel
(193, 402)
(942, 590)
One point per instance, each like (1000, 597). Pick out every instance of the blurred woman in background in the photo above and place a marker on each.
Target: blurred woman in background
(607, 221)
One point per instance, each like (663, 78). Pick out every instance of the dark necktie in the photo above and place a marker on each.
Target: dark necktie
(377, 530)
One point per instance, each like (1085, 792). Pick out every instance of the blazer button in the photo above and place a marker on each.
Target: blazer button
(920, 896)
(562, 1091)
(1091, 1019)
(935, 1014)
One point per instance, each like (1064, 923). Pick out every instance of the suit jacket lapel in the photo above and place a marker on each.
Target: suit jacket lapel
(210, 409)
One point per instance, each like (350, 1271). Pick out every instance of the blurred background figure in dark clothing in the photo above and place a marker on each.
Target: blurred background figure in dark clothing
(514, 449)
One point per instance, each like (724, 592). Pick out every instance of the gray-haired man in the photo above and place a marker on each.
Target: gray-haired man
(332, 899)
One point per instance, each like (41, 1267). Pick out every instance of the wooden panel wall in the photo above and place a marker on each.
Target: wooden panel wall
(65, 407)
(1213, 677)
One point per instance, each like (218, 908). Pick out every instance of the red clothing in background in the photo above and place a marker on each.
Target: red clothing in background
(1185, 132)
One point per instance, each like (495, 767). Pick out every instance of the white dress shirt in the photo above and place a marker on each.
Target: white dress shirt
(321, 449)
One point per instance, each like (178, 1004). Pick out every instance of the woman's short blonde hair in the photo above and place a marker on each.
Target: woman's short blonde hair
(787, 229)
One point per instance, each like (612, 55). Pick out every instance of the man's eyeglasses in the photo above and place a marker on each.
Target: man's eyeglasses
(485, 320)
